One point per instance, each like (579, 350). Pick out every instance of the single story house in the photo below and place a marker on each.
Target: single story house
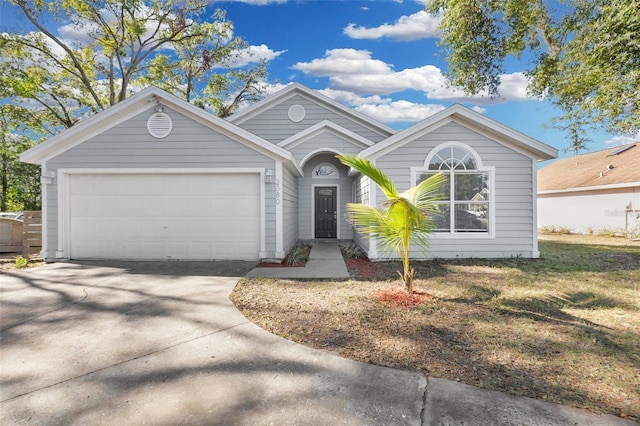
(155, 177)
(591, 192)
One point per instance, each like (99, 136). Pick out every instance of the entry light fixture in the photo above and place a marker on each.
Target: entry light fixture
(268, 176)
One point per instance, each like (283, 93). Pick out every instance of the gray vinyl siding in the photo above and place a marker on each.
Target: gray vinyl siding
(512, 186)
(129, 145)
(290, 209)
(306, 184)
(275, 126)
(362, 189)
(323, 141)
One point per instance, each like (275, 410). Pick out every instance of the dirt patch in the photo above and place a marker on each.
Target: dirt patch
(8, 261)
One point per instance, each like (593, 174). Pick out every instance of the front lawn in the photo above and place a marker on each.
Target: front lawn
(564, 328)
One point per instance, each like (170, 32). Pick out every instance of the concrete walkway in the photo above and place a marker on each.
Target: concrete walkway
(325, 261)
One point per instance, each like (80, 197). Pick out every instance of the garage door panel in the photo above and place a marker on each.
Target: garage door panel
(164, 216)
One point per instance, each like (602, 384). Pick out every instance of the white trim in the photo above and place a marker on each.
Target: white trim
(64, 237)
(263, 215)
(591, 188)
(313, 207)
(44, 194)
(373, 202)
(491, 232)
(316, 152)
(63, 214)
(534, 202)
(279, 209)
(436, 149)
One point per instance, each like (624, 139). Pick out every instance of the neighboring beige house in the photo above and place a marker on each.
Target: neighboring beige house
(592, 192)
(155, 177)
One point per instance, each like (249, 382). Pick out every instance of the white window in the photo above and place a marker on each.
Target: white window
(466, 206)
(325, 170)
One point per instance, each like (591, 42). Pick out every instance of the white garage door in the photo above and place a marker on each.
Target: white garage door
(164, 216)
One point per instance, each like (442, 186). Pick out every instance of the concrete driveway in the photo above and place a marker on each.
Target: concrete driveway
(161, 343)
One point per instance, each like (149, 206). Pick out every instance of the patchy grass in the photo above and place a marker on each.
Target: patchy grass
(564, 328)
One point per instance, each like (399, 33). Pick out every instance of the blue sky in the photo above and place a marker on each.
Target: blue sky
(382, 58)
(379, 57)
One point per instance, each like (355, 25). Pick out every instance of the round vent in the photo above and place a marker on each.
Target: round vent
(159, 125)
(296, 113)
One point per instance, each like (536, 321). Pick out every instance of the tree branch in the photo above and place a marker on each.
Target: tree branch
(83, 77)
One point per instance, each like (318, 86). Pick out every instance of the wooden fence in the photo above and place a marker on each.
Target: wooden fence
(10, 235)
(32, 234)
(22, 236)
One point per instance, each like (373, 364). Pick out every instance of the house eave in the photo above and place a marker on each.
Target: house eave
(590, 188)
(471, 119)
(298, 89)
(137, 104)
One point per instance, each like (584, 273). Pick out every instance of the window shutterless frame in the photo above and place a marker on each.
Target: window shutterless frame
(467, 208)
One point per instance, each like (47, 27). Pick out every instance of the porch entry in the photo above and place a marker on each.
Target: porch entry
(326, 212)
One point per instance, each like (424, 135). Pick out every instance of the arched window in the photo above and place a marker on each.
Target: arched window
(466, 205)
(325, 170)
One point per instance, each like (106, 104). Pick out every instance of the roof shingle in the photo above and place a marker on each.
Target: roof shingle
(611, 166)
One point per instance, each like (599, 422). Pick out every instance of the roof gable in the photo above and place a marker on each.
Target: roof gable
(618, 166)
(472, 120)
(295, 89)
(133, 106)
(325, 127)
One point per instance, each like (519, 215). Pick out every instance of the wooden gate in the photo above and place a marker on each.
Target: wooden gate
(32, 234)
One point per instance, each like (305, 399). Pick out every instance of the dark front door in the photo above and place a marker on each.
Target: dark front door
(326, 213)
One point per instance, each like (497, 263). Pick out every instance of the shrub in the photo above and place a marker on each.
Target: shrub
(299, 253)
(21, 262)
(352, 251)
(553, 229)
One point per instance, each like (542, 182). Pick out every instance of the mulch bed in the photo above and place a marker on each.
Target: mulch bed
(361, 267)
(399, 298)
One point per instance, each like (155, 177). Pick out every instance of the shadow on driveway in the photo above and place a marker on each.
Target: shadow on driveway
(160, 342)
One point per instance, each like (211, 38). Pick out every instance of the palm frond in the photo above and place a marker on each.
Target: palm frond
(403, 219)
(365, 167)
(424, 194)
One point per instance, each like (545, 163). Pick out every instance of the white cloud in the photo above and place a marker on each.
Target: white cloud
(356, 71)
(623, 139)
(406, 28)
(382, 109)
(344, 62)
(352, 98)
(513, 87)
(399, 111)
(254, 54)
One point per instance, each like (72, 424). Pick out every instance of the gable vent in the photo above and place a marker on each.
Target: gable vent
(296, 113)
(159, 125)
